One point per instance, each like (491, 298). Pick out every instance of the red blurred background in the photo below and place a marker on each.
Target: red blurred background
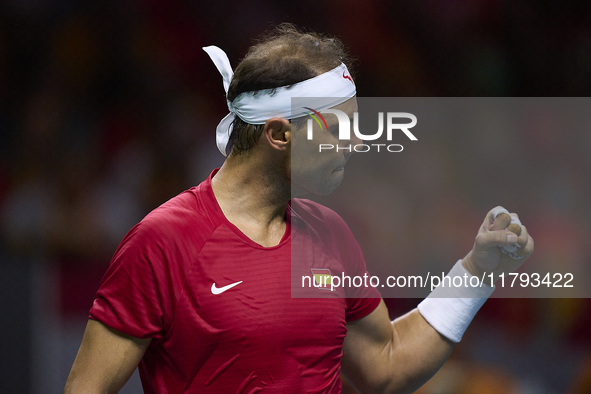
(107, 109)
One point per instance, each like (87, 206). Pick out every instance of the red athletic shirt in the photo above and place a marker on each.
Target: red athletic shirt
(252, 337)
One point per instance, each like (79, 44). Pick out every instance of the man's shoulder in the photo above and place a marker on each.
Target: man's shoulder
(331, 229)
(178, 211)
(183, 216)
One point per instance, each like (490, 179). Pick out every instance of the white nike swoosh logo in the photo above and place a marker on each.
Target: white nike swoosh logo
(219, 290)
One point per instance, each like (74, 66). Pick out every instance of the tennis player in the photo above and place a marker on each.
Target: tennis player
(198, 294)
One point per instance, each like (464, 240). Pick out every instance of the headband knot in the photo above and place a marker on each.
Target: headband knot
(329, 89)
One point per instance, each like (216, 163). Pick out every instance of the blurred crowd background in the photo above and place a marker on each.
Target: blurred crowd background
(108, 109)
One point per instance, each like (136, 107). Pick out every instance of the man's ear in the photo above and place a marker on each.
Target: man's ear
(277, 132)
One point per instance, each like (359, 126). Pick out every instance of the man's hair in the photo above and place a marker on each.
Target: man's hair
(283, 57)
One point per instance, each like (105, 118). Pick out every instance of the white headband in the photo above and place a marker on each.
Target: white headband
(329, 89)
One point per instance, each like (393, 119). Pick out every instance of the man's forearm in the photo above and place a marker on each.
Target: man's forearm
(380, 356)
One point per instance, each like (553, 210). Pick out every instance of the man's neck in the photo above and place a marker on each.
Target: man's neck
(253, 196)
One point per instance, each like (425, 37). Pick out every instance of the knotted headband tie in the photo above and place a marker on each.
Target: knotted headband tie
(328, 90)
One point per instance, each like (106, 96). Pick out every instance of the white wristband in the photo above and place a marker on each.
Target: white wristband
(453, 304)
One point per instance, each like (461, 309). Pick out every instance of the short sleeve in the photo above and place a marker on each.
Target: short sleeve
(360, 307)
(131, 298)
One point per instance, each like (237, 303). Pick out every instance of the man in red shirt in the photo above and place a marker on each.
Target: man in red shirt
(198, 294)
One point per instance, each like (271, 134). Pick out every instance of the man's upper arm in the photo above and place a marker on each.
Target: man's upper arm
(105, 361)
(366, 339)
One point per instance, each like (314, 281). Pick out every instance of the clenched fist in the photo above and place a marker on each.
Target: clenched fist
(486, 256)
